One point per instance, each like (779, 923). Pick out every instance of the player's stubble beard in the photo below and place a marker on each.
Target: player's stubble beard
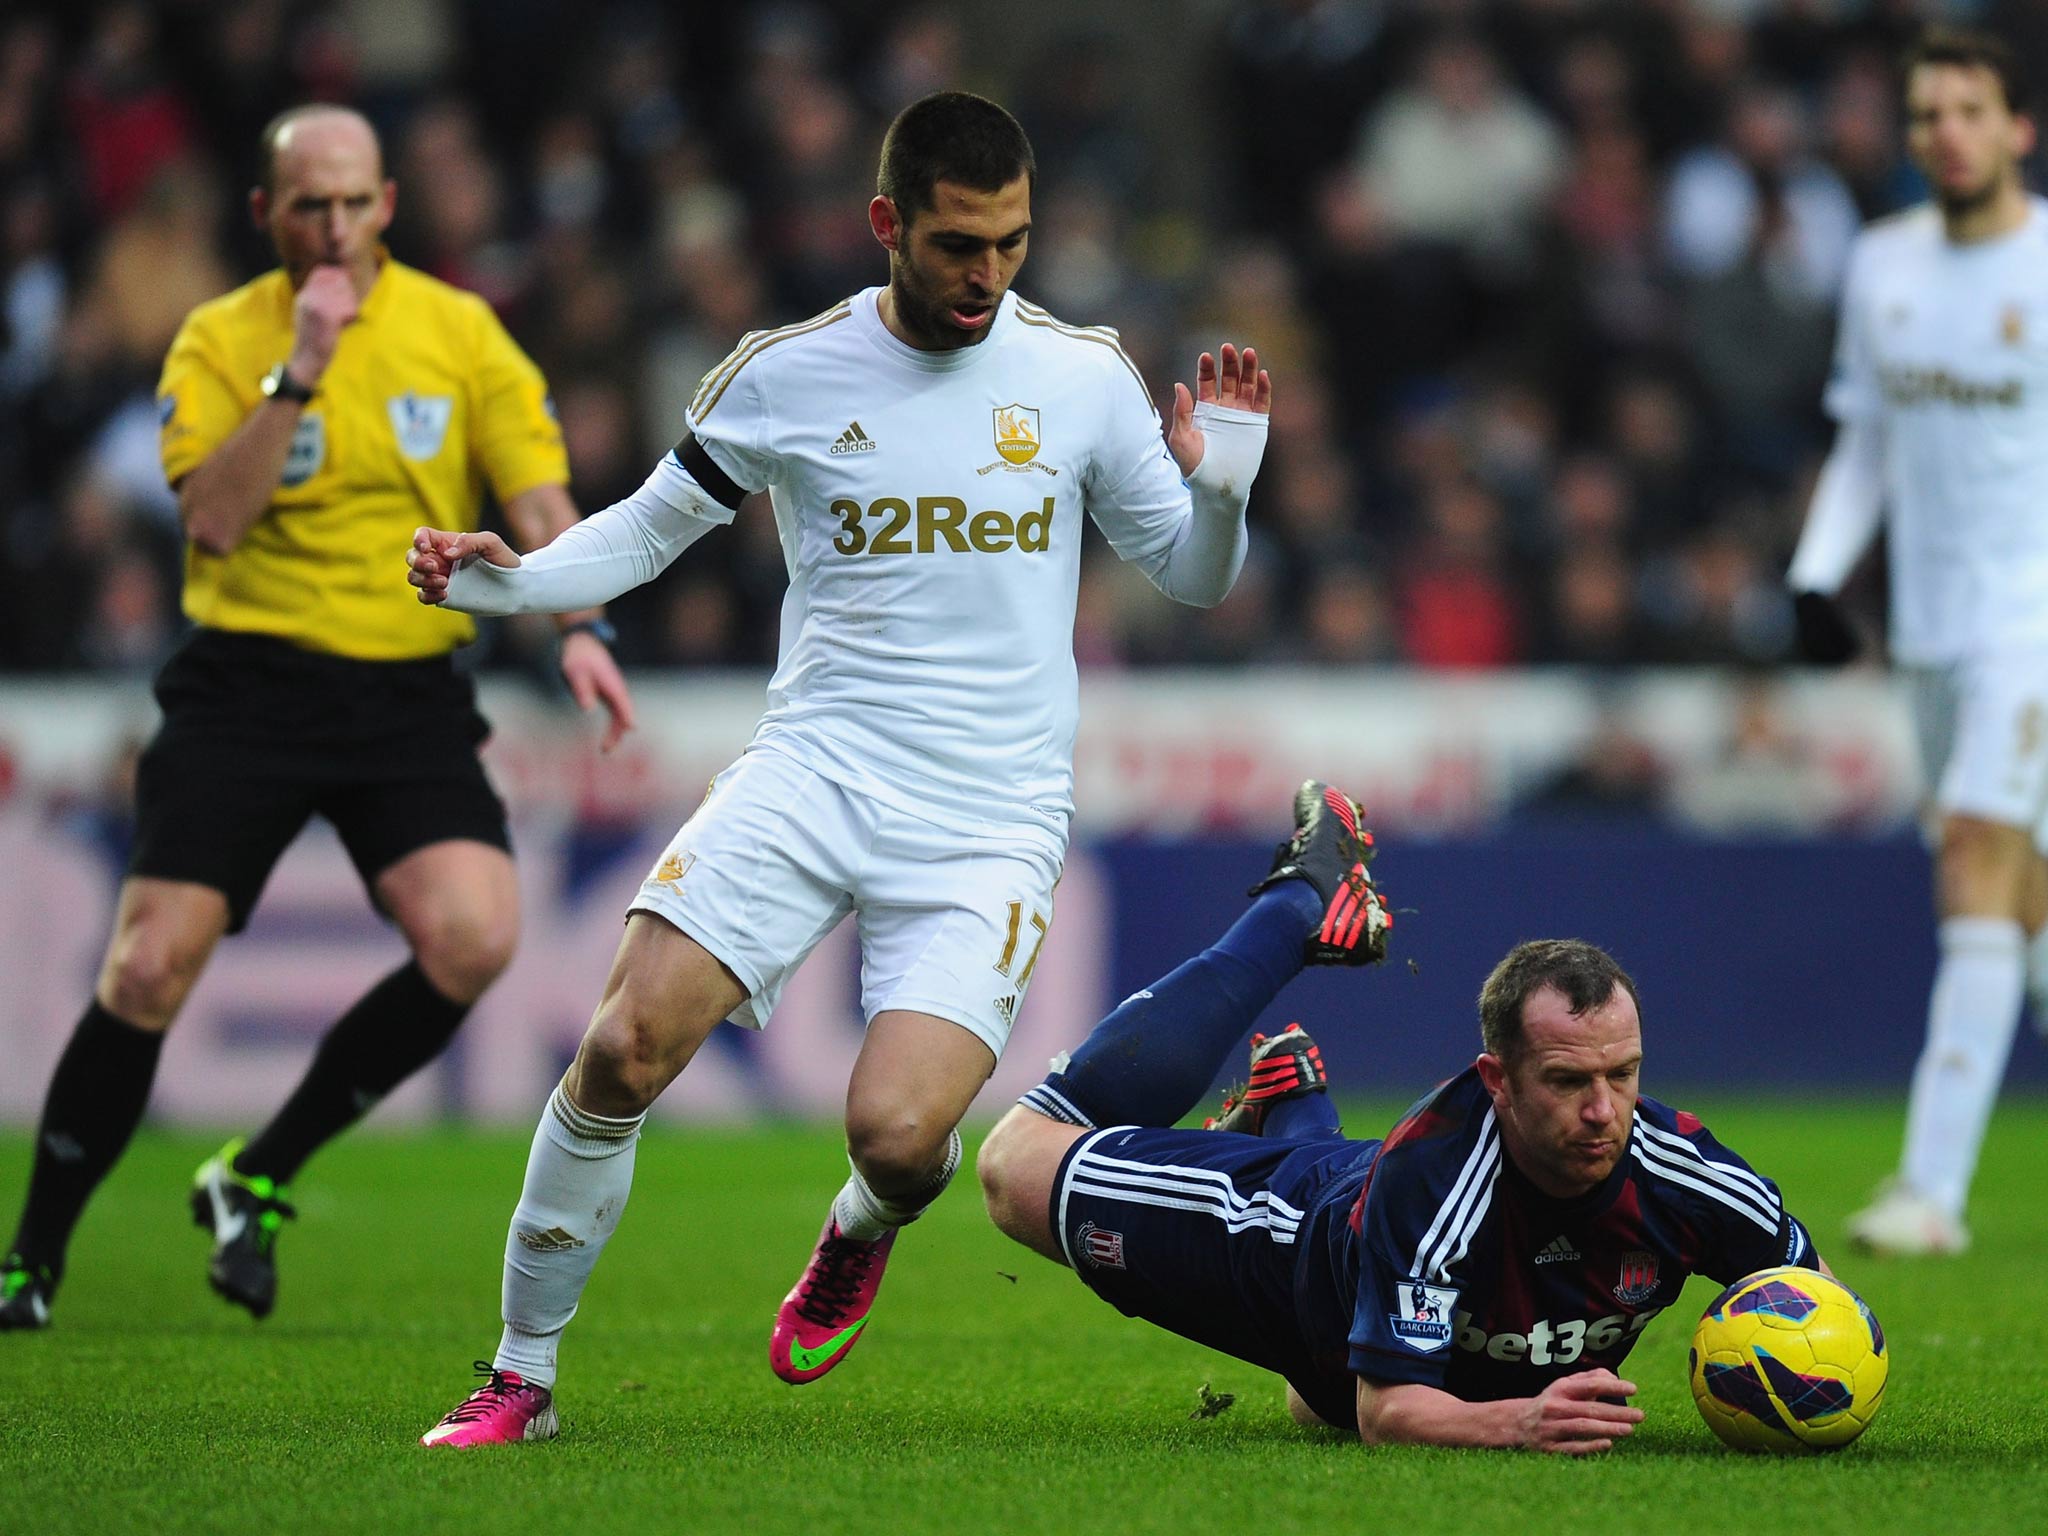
(1959, 206)
(921, 312)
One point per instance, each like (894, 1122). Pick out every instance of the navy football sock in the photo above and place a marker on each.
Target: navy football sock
(1312, 1117)
(1153, 1059)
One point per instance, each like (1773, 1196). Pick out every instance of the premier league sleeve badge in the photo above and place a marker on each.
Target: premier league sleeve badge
(1424, 1321)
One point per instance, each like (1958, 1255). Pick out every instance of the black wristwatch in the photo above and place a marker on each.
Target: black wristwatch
(278, 384)
(606, 634)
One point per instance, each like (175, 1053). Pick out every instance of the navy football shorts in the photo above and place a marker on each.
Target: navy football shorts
(1197, 1232)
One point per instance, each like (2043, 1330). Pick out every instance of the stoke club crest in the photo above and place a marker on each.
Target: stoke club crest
(1638, 1282)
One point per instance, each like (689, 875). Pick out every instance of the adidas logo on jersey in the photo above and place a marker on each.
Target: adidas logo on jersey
(853, 440)
(1558, 1251)
(1006, 1008)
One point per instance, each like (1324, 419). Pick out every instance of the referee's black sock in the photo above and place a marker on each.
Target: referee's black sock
(395, 1028)
(96, 1099)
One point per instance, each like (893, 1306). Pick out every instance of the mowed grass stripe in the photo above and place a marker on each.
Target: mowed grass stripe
(977, 1401)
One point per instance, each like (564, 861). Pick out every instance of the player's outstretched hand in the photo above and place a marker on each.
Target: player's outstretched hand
(1240, 384)
(437, 554)
(594, 678)
(1570, 1417)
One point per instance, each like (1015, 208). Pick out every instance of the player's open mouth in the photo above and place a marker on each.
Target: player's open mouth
(972, 319)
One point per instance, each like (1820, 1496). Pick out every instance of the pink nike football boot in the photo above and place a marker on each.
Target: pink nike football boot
(823, 1317)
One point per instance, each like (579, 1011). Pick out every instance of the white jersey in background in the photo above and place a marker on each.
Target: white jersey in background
(1943, 355)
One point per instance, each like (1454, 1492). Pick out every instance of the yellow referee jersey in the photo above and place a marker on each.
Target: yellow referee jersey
(426, 399)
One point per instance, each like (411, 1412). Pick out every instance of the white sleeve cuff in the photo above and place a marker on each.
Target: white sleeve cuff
(1234, 442)
(1209, 551)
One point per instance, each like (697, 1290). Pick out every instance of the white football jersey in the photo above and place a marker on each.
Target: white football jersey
(1945, 346)
(929, 506)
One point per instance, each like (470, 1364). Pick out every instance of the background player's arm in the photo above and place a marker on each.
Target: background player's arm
(1848, 502)
(222, 498)
(1848, 499)
(1569, 1417)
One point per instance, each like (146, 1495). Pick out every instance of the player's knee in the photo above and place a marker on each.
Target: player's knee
(1012, 1185)
(464, 950)
(895, 1147)
(622, 1065)
(992, 1167)
(1984, 868)
(148, 975)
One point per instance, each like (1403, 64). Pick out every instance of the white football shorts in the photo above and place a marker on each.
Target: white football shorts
(1983, 731)
(951, 916)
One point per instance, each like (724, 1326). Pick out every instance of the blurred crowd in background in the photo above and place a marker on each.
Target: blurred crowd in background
(1547, 286)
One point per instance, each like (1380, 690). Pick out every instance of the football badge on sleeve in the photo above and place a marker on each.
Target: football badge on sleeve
(1424, 1321)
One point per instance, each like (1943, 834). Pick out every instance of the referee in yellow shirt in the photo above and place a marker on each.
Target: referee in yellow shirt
(311, 421)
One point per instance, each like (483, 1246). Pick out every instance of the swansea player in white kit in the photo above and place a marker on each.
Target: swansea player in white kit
(930, 449)
(1941, 392)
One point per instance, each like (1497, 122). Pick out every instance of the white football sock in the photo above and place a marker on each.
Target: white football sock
(1971, 1016)
(863, 1214)
(578, 1175)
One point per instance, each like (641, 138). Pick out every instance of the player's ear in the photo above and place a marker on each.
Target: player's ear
(389, 199)
(259, 208)
(1493, 1077)
(885, 222)
(2025, 134)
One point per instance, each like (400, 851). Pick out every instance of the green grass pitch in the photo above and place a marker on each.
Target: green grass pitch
(991, 1395)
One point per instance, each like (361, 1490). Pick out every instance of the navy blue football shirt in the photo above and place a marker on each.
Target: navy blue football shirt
(1434, 1260)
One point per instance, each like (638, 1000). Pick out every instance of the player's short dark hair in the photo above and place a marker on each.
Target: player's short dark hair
(273, 131)
(951, 136)
(1585, 973)
(1971, 48)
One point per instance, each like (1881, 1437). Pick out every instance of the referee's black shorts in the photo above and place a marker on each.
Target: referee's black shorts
(260, 735)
